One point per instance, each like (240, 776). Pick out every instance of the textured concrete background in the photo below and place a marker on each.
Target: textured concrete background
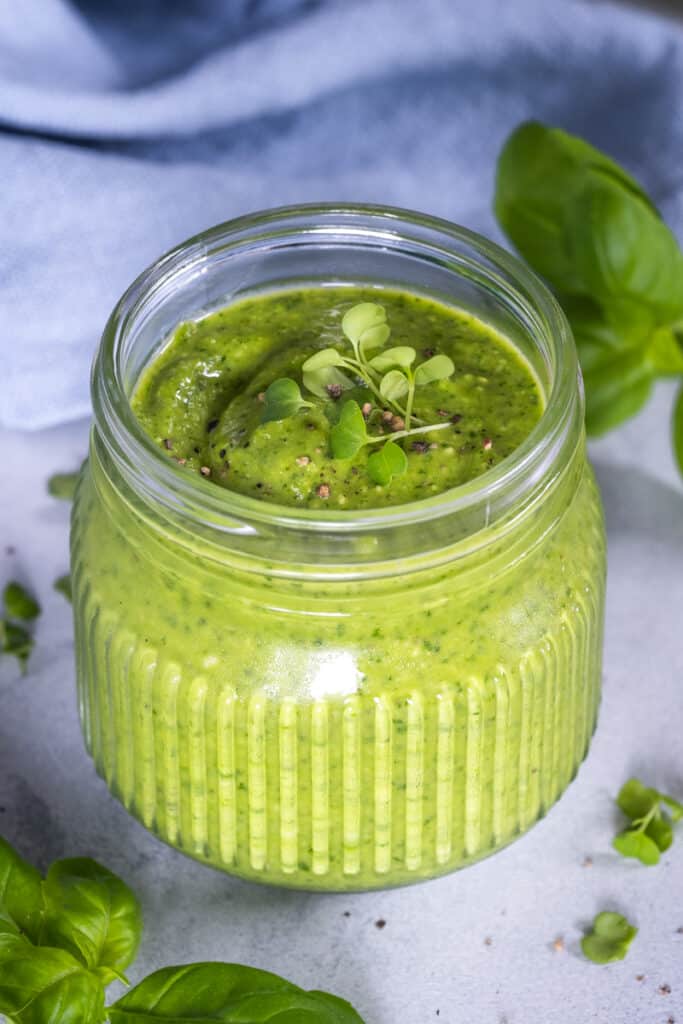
(434, 953)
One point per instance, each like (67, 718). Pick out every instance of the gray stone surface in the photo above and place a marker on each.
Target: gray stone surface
(433, 954)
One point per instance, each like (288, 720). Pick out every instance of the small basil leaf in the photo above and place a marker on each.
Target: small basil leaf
(63, 586)
(349, 433)
(39, 985)
(609, 938)
(21, 892)
(388, 462)
(661, 833)
(401, 355)
(92, 913)
(618, 384)
(677, 426)
(393, 385)
(436, 368)
(19, 604)
(632, 843)
(325, 357)
(229, 993)
(17, 641)
(282, 399)
(637, 800)
(362, 317)
(63, 485)
(326, 380)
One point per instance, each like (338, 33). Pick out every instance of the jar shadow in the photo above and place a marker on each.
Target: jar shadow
(637, 502)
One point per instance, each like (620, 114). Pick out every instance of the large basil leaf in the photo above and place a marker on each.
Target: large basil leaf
(618, 384)
(540, 170)
(20, 890)
(39, 985)
(229, 993)
(678, 435)
(92, 914)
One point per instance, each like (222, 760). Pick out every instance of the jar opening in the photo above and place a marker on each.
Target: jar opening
(335, 244)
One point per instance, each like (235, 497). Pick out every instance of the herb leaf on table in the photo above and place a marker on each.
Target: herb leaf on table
(650, 832)
(609, 938)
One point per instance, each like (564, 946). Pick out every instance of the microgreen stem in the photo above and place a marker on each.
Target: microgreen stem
(411, 397)
(395, 435)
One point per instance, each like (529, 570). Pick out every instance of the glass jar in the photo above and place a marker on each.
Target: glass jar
(337, 700)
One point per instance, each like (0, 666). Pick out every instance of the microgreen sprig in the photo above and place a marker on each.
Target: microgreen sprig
(650, 832)
(391, 376)
(609, 938)
(19, 610)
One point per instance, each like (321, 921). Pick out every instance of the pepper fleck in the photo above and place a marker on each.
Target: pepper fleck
(323, 490)
(205, 471)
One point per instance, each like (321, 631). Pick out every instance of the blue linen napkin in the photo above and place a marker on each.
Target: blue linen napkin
(126, 127)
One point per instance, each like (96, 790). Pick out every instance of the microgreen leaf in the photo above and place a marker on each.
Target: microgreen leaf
(17, 641)
(360, 318)
(393, 385)
(637, 800)
(327, 380)
(661, 833)
(675, 806)
(609, 939)
(325, 357)
(349, 433)
(282, 399)
(91, 913)
(63, 586)
(677, 428)
(633, 843)
(229, 993)
(388, 462)
(63, 485)
(401, 355)
(437, 368)
(373, 337)
(19, 604)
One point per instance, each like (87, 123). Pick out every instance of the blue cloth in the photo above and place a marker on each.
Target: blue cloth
(125, 127)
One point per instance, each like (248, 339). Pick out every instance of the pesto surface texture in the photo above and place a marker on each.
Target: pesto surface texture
(202, 399)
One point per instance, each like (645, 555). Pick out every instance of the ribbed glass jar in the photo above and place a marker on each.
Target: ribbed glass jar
(326, 699)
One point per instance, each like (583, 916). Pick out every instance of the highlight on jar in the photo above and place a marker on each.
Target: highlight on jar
(338, 554)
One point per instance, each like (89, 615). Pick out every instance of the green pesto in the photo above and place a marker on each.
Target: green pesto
(201, 399)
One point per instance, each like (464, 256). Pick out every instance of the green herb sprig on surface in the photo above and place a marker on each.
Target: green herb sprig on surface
(63, 485)
(589, 228)
(65, 937)
(652, 816)
(609, 938)
(389, 375)
(20, 609)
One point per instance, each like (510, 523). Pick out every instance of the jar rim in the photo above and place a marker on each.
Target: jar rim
(230, 512)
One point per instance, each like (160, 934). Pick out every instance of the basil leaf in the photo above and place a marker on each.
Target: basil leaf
(618, 384)
(91, 913)
(39, 985)
(539, 171)
(19, 604)
(678, 430)
(621, 252)
(229, 993)
(388, 462)
(665, 352)
(349, 433)
(63, 586)
(21, 893)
